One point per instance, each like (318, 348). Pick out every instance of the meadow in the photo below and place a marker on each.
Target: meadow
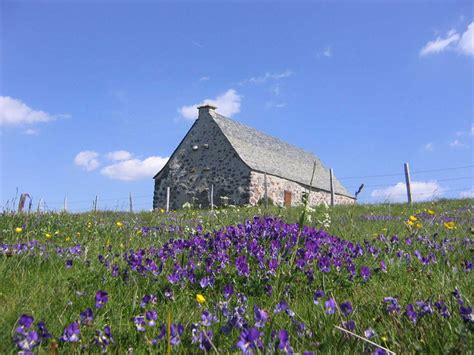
(355, 279)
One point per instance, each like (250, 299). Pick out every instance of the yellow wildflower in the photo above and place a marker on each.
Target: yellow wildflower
(431, 212)
(449, 225)
(384, 338)
(418, 225)
(119, 224)
(68, 239)
(200, 298)
(48, 236)
(18, 229)
(413, 218)
(410, 223)
(162, 210)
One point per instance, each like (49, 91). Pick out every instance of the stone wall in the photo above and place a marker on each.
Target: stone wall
(203, 158)
(276, 187)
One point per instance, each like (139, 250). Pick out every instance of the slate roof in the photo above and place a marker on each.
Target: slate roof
(265, 153)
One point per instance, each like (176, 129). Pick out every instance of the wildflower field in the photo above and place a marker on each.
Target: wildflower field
(355, 279)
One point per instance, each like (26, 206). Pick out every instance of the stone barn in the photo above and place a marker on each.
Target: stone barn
(237, 164)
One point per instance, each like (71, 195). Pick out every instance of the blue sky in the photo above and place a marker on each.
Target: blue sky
(96, 92)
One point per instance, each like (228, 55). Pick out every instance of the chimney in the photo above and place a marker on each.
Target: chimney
(206, 109)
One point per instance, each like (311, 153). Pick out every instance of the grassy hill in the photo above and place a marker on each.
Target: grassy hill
(399, 276)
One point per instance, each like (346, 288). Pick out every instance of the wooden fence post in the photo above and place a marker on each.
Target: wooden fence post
(131, 203)
(168, 199)
(331, 184)
(407, 181)
(39, 205)
(266, 189)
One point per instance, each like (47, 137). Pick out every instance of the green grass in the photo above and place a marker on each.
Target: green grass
(42, 286)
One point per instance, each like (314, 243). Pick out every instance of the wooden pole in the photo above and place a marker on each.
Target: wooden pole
(331, 183)
(65, 204)
(168, 199)
(95, 203)
(131, 203)
(212, 197)
(266, 189)
(407, 181)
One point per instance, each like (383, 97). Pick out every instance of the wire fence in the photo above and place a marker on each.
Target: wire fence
(392, 190)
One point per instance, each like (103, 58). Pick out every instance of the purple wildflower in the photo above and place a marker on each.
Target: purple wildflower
(284, 342)
(330, 305)
(411, 314)
(249, 339)
(228, 291)
(139, 323)
(260, 316)
(324, 264)
(365, 273)
(103, 338)
(442, 309)
(151, 317)
(425, 308)
(176, 332)
(317, 295)
(43, 332)
(27, 341)
(160, 335)
(392, 305)
(349, 325)
(169, 294)
(101, 298)
(86, 317)
(281, 307)
(242, 266)
(466, 314)
(207, 319)
(26, 321)
(71, 333)
(369, 333)
(383, 267)
(148, 299)
(68, 263)
(346, 308)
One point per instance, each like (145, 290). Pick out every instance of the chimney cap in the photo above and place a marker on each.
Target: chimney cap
(206, 107)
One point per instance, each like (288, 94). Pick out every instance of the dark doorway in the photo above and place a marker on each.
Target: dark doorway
(287, 199)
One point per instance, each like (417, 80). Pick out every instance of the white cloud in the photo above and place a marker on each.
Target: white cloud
(134, 169)
(266, 77)
(454, 41)
(31, 132)
(227, 104)
(273, 104)
(457, 144)
(439, 44)
(119, 155)
(327, 52)
(420, 190)
(204, 78)
(466, 44)
(428, 147)
(14, 112)
(467, 193)
(88, 160)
